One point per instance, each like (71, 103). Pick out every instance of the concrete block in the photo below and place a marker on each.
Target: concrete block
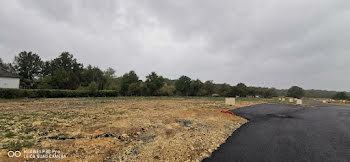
(324, 101)
(291, 100)
(299, 101)
(230, 101)
(283, 99)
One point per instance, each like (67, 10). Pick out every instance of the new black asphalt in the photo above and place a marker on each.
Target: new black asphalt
(281, 132)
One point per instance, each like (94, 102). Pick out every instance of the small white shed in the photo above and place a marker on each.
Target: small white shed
(8, 80)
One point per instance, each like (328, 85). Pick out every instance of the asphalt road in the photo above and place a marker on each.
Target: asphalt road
(279, 132)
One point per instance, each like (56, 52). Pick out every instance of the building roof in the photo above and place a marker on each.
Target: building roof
(6, 74)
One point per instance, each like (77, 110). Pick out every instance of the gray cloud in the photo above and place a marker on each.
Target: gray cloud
(263, 43)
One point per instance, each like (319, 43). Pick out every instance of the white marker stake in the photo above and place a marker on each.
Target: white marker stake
(230, 101)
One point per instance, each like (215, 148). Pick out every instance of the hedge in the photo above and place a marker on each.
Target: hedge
(54, 93)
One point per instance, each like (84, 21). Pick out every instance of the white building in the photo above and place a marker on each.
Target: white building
(8, 80)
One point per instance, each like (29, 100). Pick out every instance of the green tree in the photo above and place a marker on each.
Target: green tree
(240, 90)
(254, 91)
(109, 77)
(47, 69)
(93, 74)
(154, 83)
(28, 66)
(183, 85)
(93, 87)
(134, 89)
(45, 82)
(59, 79)
(269, 92)
(167, 90)
(340, 96)
(7, 66)
(72, 81)
(196, 87)
(296, 92)
(114, 84)
(67, 62)
(224, 90)
(65, 72)
(208, 88)
(169, 81)
(126, 80)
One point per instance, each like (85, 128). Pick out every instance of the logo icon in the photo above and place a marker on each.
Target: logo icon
(14, 154)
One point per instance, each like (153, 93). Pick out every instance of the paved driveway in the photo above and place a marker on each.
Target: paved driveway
(280, 132)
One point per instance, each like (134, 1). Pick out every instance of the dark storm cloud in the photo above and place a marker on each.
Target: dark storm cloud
(263, 43)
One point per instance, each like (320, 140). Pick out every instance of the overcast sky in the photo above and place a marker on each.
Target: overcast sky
(270, 43)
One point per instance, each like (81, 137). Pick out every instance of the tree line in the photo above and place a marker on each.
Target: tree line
(65, 72)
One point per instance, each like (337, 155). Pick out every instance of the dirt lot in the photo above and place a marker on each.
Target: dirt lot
(117, 129)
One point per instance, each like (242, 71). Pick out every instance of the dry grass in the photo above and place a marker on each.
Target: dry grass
(118, 129)
(331, 101)
(340, 102)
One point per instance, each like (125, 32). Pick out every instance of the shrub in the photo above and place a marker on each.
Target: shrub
(340, 96)
(54, 93)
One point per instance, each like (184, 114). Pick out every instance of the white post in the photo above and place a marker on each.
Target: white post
(291, 100)
(230, 101)
(299, 101)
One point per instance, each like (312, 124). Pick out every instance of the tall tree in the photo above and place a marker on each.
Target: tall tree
(183, 85)
(223, 89)
(240, 90)
(127, 79)
(296, 92)
(93, 74)
(167, 90)
(7, 66)
(269, 92)
(209, 88)
(196, 87)
(154, 83)
(28, 66)
(340, 96)
(63, 72)
(59, 79)
(109, 78)
(67, 62)
(135, 89)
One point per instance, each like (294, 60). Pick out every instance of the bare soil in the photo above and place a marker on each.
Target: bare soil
(118, 129)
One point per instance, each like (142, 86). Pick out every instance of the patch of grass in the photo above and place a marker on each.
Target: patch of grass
(4, 116)
(25, 137)
(10, 135)
(24, 118)
(2, 128)
(26, 130)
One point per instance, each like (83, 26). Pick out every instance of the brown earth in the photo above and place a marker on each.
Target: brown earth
(117, 129)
